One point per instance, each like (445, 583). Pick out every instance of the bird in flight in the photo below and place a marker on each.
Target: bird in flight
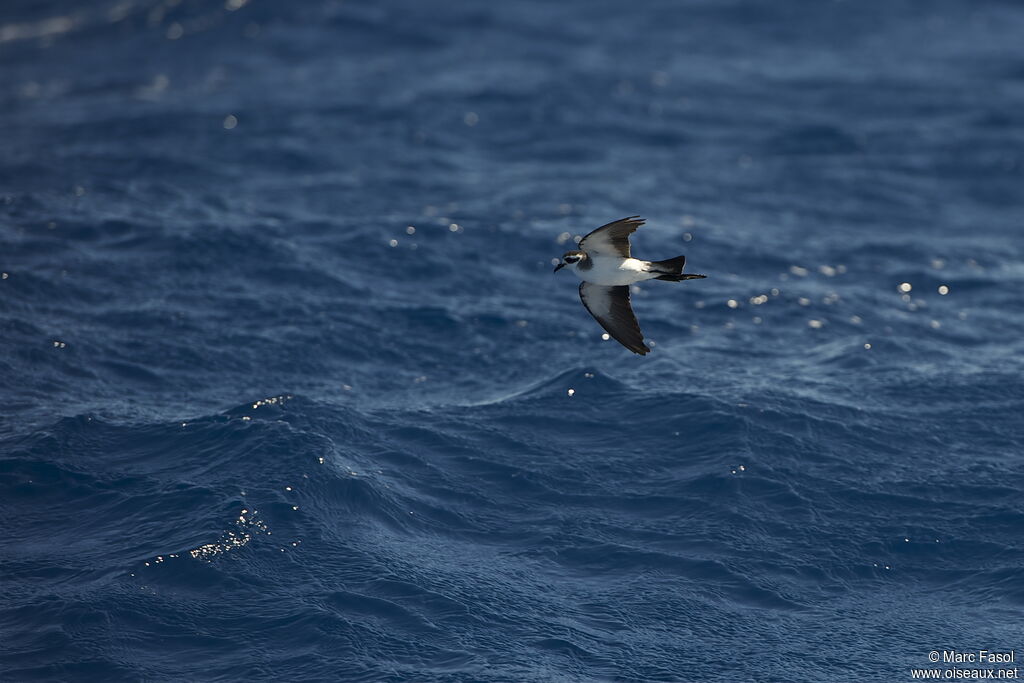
(607, 269)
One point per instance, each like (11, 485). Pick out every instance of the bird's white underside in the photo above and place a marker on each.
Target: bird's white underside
(614, 271)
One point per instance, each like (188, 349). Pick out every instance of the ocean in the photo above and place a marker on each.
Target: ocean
(290, 391)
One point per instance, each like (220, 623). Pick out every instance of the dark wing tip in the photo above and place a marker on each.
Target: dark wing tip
(633, 220)
(639, 348)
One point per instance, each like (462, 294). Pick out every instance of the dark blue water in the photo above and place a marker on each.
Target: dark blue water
(290, 392)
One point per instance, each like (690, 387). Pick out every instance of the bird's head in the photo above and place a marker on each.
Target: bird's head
(571, 258)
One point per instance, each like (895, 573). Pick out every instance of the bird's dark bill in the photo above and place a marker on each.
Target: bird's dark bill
(558, 267)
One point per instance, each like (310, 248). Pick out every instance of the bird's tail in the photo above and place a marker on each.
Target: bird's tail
(672, 270)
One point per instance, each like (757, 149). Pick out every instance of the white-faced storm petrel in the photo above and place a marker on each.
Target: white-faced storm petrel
(607, 270)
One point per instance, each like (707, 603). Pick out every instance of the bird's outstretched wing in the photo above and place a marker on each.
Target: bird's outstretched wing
(610, 307)
(611, 239)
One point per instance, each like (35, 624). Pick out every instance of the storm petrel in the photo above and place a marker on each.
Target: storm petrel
(604, 264)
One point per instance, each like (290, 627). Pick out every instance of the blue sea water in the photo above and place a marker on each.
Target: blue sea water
(290, 392)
